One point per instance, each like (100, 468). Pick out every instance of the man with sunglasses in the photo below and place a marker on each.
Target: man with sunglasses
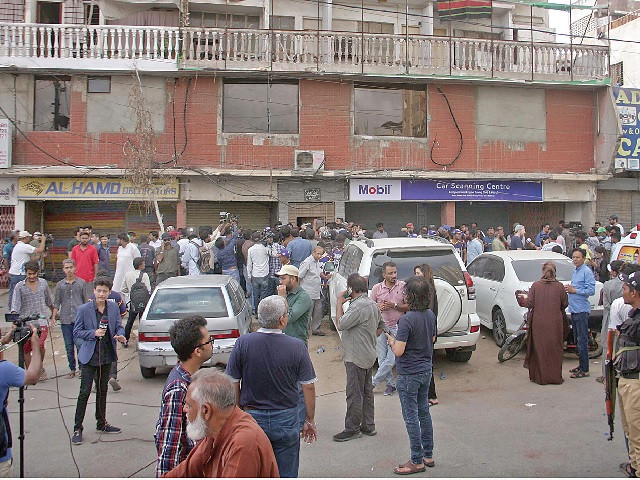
(193, 346)
(167, 260)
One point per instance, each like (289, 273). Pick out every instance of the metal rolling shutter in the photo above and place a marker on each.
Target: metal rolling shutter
(394, 215)
(141, 219)
(61, 219)
(254, 215)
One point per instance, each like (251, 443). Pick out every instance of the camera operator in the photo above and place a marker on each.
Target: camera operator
(32, 297)
(20, 255)
(14, 376)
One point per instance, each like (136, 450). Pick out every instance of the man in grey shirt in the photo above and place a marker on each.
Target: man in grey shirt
(360, 327)
(70, 293)
(611, 290)
(310, 281)
(380, 233)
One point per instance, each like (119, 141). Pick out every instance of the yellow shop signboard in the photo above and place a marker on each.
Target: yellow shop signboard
(87, 188)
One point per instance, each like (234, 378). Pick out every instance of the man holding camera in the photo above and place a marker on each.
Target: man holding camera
(32, 297)
(14, 376)
(98, 324)
(20, 255)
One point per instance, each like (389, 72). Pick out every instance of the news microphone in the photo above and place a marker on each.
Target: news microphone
(104, 324)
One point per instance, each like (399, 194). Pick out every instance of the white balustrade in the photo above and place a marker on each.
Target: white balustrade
(295, 50)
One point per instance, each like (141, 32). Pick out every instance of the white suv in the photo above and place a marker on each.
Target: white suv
(458, 324)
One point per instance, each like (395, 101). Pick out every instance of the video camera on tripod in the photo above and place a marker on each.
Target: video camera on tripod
(22, 333)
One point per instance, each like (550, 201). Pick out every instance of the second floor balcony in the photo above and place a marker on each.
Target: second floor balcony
(170, 49)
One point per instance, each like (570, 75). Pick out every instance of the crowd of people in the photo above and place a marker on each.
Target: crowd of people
(245, 423)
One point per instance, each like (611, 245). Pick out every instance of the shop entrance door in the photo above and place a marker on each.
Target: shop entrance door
(300, 213)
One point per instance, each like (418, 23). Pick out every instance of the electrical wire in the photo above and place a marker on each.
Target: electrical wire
(455, 122)
(64, 422)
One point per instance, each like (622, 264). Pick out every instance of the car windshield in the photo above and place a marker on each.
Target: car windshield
(179, 302)
(531, 270)
(443, 263)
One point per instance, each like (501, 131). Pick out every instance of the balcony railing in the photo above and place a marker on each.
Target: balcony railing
(114, 48)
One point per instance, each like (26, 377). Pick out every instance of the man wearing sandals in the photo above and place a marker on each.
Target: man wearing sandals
(628, 366)
(583, 285)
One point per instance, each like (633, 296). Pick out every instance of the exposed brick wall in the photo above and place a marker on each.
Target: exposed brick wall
(325, 124)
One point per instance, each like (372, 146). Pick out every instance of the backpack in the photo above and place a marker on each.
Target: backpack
(204, 256)
(5, 428)
(139, 295)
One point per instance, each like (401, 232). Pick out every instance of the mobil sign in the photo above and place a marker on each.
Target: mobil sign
(367, 190)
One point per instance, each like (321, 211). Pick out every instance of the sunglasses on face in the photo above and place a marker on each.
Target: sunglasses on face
(211, 340)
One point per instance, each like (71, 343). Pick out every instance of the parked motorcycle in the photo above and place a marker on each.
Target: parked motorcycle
(518, 340)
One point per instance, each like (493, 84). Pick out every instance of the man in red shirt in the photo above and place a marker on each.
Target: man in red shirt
(86, 258)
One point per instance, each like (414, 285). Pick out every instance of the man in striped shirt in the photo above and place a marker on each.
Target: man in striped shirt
(194, 346)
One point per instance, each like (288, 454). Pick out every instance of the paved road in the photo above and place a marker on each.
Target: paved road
(483, 424)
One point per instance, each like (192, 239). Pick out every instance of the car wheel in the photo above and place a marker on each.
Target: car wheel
(454, 355)
(499, 327)
(148, 372)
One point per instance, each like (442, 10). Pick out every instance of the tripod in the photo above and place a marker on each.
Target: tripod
(21, 403)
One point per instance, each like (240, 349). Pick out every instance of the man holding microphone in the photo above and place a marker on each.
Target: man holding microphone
(98, 325)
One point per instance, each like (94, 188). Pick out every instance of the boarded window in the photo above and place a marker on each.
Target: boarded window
(617, 74)
(375, 27)
(393, 112)
(98, 84)
(52, 103)
(260, 108)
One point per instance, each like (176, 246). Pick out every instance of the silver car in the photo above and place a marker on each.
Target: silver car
(218, 298)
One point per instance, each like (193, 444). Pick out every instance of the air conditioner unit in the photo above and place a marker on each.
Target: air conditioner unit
(309, 160)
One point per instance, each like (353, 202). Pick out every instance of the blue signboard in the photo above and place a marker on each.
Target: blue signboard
(472, 190)
(628, 103)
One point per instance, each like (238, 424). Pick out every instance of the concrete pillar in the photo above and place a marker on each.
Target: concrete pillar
(283, 212)
(448, 213)
(20, 215)
(588, 215)
(426, 23)
(340, 210)
(266, 18)
(181, 214)
(327, 15)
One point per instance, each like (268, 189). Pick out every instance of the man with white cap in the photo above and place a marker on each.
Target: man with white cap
(613, 221)
(516, 239)
(21, 254)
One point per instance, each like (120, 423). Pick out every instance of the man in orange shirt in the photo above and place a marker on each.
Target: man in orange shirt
(230, 442)
(86, 258)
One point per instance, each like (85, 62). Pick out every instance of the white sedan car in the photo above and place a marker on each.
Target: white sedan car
(498, 275)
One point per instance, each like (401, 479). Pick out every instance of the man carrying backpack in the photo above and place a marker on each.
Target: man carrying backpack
(148, 253)
(138, 286)
(191, 255)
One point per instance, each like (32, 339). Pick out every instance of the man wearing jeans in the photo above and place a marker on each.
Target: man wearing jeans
(69, 295)
(258, 269)
(270, 365)
(390, 297)
(583, 285)
(226, 254)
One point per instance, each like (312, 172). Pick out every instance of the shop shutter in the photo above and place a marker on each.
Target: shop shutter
(61, 219)
(394, 215)
(254, 215)
(533, 215)
(141, 217)
(7, 225)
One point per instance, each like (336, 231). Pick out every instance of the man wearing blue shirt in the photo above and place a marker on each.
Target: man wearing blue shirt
(299, 248)
(583, 285)
(14, 376)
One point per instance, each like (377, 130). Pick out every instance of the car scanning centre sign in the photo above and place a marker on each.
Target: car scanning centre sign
(628, 104)
(361, 190)
(86, 188)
